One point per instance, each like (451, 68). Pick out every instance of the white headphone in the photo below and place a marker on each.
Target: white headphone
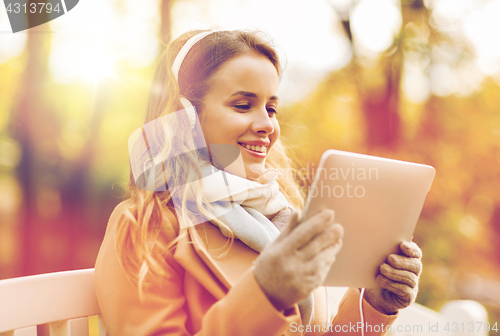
(177, 65)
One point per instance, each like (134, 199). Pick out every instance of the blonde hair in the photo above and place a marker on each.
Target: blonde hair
(142, 238)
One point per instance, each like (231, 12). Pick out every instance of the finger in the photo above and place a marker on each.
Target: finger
(404, 263)
(403, 292)
(332, 235)
(404, 277)
(323, 260)
(310, 228)
(411, 249)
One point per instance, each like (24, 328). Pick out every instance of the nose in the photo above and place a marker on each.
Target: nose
(262, 123)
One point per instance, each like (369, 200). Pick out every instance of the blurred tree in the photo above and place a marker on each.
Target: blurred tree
(166, 21)
(378, 84)
(34, 127)
(55, 187)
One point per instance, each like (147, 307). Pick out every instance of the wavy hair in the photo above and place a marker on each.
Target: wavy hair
(142, 238)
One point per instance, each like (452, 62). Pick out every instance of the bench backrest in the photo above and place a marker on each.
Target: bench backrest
(63, 300)
(66, 302)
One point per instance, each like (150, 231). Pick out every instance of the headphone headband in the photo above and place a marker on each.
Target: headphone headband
(177, 65)
(185, 49)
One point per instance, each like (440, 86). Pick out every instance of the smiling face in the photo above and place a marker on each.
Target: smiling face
(240, 109)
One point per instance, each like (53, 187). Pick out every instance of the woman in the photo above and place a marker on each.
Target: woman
(195, 250)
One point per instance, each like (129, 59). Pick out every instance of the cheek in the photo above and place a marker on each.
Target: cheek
(209, 125)
(220, 130)
(232, 127)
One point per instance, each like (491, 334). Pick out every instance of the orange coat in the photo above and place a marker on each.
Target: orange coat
(204, 295)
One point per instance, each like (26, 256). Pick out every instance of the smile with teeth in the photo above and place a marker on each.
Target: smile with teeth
(259, 149)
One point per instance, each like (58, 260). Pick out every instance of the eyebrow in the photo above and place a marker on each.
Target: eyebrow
(251, 95)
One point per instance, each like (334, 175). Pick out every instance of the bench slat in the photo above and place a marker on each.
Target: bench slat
(74, 327)
(28, 331)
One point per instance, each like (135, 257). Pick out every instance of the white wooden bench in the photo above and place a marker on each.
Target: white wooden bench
(65, 301)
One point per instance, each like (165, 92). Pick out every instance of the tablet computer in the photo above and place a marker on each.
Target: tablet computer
(378, 202)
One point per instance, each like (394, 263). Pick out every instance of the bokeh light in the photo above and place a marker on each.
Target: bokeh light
(11, 45)
(374, 24)
(89, 53)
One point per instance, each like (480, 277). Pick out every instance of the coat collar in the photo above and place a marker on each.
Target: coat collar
(204, 252)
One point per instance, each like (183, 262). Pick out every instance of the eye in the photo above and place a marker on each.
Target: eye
(244, 107)
(272, 109)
